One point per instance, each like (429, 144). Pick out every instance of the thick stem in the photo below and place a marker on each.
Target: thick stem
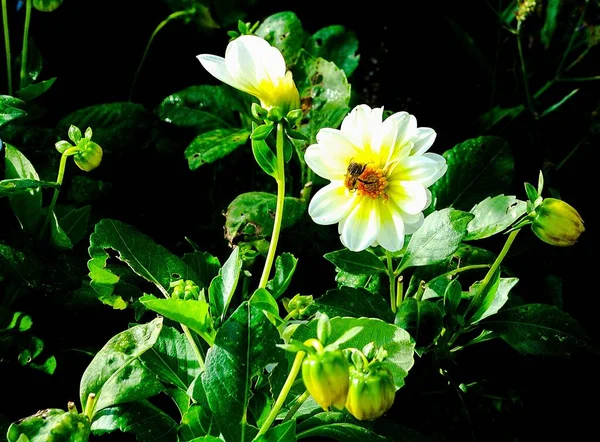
(7, 47)
(23, 77)
(528, 100)
(392, 278)
(282, 394)
(278, 208)
(161, 25)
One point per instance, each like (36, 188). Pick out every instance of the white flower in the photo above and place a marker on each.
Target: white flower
(379, 172)
(253, 66)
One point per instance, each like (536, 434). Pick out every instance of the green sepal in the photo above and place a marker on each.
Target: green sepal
(261, 132)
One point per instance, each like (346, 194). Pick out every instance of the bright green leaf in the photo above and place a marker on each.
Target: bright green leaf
(50, 425)
(10, 108)
(285, 266)
(264, 156)
(58, 237)
(337, 44)
(284, 31)
(204, 265)
(263, 300)
(211, 146)
(27, 206)
(360, 263)
(116, 375)
(222, 287)
(355, 303)
(31, 92)
(46, 5)
(19, 185)
(493, 215)
(284, 432)
(494, 300)
(438, 238)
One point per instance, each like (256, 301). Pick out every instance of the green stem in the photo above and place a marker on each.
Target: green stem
(280, 178)
(282, 394)
(89, 406)
(572, 40)
(296, 406)
(7, 47)
(528, 100)
(161, 25)
(392, 278)
(499, 259)
(579, 79)
(59, 179)
(25, 43)
(465, 268)
(399, 291)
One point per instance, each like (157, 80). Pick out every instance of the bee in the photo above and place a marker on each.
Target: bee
(352, 176)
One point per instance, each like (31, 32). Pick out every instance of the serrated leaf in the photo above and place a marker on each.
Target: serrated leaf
(211, 146)
(285, 266)
(477, 168)
(244, 345)
(355, 303)
(542, 330)
(396, 341)
(189, 312)
(27, 206)
(116, 375)
(438, 238)
(146, 258)
(360, 263)
(493, 215)
(135, 418)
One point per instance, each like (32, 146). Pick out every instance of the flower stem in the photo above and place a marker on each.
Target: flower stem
(161, 25)
(89, 406)
(528, 100)
(392, 278)
(28, 6)
(282, 394)
(296, 406)
(59, 179)
(499, 259)
(280, 178)
(7, 47)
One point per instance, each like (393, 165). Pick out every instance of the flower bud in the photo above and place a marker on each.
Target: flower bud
(325, 376)
(370, 394)
(557, 223)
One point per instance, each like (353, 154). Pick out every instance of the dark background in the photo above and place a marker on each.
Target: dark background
(411, 59)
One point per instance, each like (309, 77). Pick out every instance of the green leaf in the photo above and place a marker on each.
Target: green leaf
(172, 359)
(197, 422)
(191, 313)
(552, 10)
(116, 375)
(244, 345)
(19, 185)
(477, 168)
(422, 319)
(285, 266)
(498, 114)
(438, 238)
(146, 258)
(542, 330)
(344, 427)
(284, 432)
(263, 300)
(204, 265)
(58, 237)
(27, 206)
(494, 300)
(337, 44)
(31, 92)
(10, 320)
(203, 108)
(75, 223)
(493, 215)
(147, 422)
(284, 31)
(452, 297)
(355, 303)
(223, 286)
(396, 341)
(372, 283)
(10, 108)
(264, 156)
(46, 5)
(261, 132)
(324, 91)
(211, 146)
(360, 263)
(50, 425)
(250, 216)
(34, 65)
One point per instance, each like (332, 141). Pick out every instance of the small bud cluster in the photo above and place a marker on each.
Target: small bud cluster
(185, 289)
(86, 153)
(526, 7)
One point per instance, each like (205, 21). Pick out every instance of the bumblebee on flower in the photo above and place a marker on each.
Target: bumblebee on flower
(380, 172)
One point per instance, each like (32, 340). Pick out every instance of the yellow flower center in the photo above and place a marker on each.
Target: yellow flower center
(366, 179)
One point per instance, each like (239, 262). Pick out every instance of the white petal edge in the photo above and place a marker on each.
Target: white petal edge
(409, 196)
(391, 233)
(215, 66)
(317, 159)
(331, 204)
(423, 139)
(361, 227)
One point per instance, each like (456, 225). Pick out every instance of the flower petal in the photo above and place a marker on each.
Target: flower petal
(407, 126)
(423, 139)
(361, 228)
(361, 124)
(331, 203)
(425, 169)
(216, 67)
(323, 164)
(409, 196)
(391, 234)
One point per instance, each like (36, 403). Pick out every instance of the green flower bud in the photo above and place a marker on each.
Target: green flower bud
(557, 223)
(370, 394)
(89, 156)
(325, 376)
